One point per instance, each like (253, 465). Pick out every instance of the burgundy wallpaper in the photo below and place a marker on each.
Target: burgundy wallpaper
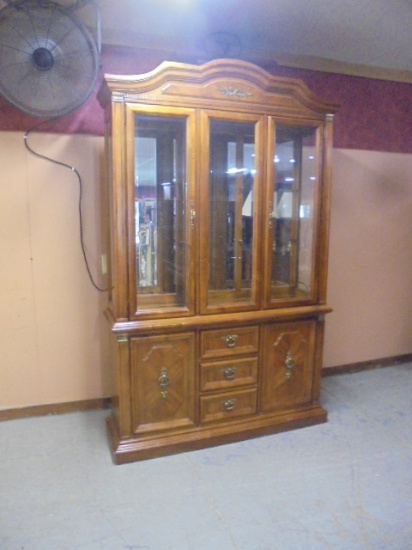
(374, 114)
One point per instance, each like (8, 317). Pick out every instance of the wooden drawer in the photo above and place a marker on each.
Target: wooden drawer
(226, 406)
(223, 375)
(228, 342)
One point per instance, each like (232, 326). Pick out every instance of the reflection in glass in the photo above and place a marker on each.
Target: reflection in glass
(231, 178)
(292, 221)
(160, 197)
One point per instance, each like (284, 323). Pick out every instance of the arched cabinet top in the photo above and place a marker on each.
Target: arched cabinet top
(223, 83)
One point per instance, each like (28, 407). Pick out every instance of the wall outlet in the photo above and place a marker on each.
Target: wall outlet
(104, 264)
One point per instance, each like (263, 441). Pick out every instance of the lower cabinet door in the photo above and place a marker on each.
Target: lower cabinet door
(288, 363)
(163, 387)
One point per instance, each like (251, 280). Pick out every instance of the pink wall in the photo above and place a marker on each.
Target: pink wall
(51, 322)
(370, 259)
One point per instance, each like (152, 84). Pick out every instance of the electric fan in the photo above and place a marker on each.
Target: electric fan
(49, 61)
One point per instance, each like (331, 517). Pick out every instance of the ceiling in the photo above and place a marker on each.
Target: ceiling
(370, 37)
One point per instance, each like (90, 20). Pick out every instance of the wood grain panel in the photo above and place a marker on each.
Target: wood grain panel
(287, 369)
(163, 382)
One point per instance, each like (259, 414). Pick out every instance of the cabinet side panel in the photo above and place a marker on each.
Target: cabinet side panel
(121, 390)
(119, 264)
(324, 225)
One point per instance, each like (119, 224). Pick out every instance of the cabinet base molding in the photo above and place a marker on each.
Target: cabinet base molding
(134, 449)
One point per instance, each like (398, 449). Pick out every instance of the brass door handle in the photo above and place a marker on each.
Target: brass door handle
(164, 382)
(289, 365)
(270, 215)
(192, 214)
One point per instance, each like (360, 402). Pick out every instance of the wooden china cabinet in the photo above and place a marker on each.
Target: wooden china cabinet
(219, 186)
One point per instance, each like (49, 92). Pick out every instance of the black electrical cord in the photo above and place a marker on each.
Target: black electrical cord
(59, 163)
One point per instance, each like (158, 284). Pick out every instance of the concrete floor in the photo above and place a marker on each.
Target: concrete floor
(344, 485)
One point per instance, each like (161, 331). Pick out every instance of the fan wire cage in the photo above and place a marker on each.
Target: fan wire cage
(49, 61)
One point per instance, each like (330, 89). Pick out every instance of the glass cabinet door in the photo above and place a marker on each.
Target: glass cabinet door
(293, 174)
(162, 229)
(229, 198)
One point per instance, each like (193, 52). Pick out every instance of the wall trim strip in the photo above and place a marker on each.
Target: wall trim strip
(55, 408)
(368, 365)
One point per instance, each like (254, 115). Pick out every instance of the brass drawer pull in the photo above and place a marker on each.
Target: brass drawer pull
(229, 373)
(229, 404)
(230, 340)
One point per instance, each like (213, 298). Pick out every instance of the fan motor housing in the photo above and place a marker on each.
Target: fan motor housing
(42, 59)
